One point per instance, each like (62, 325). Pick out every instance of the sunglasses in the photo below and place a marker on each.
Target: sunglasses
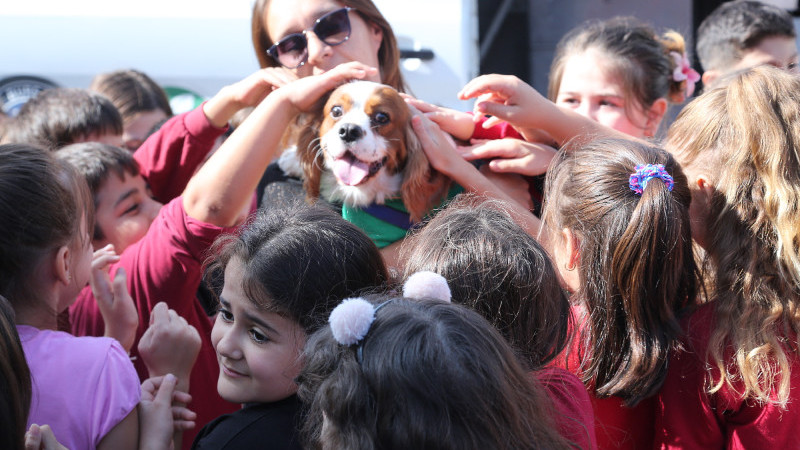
(332, 28)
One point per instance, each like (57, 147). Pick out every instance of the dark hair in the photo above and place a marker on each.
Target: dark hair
(431, 375)
(60, 116)
(636, 56)
(301, 261)
(15, 382)
(132, 92)
(96, 162)
(41, 201)
(495, 268)
(388, 53)
(636, 265)
(737, 26)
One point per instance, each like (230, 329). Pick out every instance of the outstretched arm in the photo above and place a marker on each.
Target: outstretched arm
(225, 184)
(508, 98)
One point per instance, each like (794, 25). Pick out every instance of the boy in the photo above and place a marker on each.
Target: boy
(162, 238)
(62, 116)
(742, 34)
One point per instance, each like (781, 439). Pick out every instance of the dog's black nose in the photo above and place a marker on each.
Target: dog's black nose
(350, 132)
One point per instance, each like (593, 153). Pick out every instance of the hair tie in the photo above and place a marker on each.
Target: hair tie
(427, 284)
(684, 72)
(646, 172)
(350, 321)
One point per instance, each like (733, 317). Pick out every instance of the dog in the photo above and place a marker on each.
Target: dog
(359, 149)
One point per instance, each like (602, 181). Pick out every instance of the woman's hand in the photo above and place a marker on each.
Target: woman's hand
(511, 155)
(304, 93)
(113, 299)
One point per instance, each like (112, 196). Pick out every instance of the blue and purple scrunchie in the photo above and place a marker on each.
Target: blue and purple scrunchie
(646, 172)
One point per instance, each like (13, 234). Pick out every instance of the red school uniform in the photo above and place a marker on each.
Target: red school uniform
(616, 425)
(689, 417)
(574, 415)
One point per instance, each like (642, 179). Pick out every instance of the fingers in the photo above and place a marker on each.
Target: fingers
(182, 397)
(183, 425)
(490, 149)
(164, 394)
(160, 313)
(422, 106)
(183, 413)
(498, 85)
(121, 286)
(103, 257)
(33, 438)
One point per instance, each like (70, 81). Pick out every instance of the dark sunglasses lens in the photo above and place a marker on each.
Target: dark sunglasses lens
(334, 28)
(292, 50)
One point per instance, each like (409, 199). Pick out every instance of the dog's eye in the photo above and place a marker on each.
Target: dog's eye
(337, 112)
(380, 118)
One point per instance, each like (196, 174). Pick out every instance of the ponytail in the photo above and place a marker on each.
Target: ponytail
(636, 264)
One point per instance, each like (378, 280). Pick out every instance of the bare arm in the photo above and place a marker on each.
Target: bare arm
(224, 185)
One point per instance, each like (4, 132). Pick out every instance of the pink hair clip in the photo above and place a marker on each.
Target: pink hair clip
(684, 72)
(427, 284)
(350, 321)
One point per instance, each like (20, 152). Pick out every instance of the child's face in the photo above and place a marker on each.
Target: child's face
(124, 211)
(778, 51)
(258, 352)
(138, 127)
(589, 90)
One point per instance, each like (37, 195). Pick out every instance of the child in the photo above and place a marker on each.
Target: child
(46, 261)
(742, 34)
(395, 373)
(495, 268)
(62, 116)
(628, 281)
(284, 273)
(141, 102)
(620, 73)
(162, 248)
(735, 385)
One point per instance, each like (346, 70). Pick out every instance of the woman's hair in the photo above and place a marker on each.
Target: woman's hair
(633, 54)
(132, 92)
(430, 375)
(495, 268)
(15, 382)
(42, 201)
(388, 53)
(745, 135)
(636, 266)
(301, 261)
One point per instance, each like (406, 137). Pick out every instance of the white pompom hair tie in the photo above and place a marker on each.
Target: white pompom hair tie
(427, 284)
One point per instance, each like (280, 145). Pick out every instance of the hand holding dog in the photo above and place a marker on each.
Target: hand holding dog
(510, 155)
(304, 93)
(458, 124)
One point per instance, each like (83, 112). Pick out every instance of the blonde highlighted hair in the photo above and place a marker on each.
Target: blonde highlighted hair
(745, 134)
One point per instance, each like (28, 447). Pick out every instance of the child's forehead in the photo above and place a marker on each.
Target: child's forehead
(776, 50)
(117, 186)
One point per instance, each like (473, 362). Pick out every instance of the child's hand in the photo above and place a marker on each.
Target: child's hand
(170, 345)
(113, 300)
(247, 92)
(506, 98)
(161, 412)
(511, 155)
(459, 124)
(438, 146)
(41, 438)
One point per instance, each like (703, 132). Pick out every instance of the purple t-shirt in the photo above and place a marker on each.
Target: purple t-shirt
(82, 386)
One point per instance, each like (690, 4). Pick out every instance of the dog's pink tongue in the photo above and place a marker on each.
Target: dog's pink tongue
(350, 171)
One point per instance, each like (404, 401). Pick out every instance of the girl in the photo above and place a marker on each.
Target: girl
(495, 268)
(735, 381)
(141, 102)
(418, 374)
(47, 255)
(284, 273)
(619, 73)
(627, 280)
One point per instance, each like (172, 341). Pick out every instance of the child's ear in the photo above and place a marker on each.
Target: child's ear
(61, 265)
(654, 116)
(709, 77)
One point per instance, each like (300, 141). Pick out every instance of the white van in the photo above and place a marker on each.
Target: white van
(201, 45)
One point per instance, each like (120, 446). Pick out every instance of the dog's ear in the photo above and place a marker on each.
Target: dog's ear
(308, 150)
(423, 187)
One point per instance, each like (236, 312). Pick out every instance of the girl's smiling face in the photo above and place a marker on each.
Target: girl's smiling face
(258, 351)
